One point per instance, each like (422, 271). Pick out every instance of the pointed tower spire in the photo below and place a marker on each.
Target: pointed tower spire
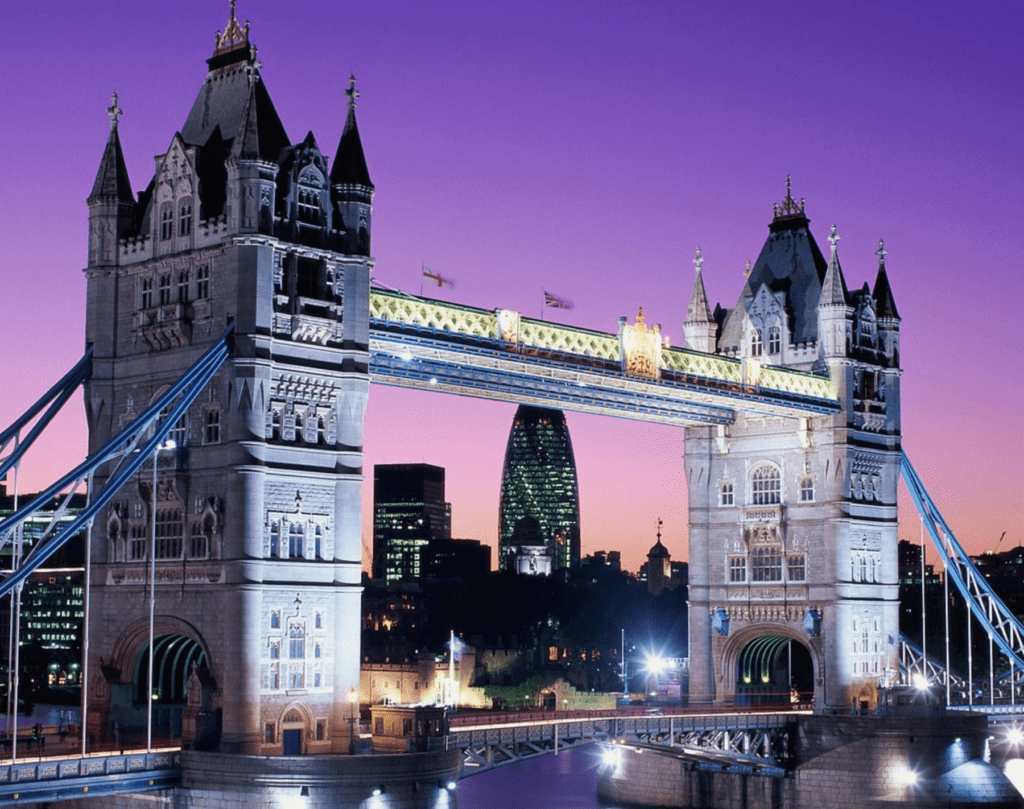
(833, 287)
(885, 304)
(699, 328)
(351, 188)
(350, 162)
(112, 183)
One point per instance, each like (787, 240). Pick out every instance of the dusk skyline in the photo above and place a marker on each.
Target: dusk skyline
(586, 150)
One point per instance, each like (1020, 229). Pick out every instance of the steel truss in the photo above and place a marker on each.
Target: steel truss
(994, 616)
(149, 430)
(912, 660)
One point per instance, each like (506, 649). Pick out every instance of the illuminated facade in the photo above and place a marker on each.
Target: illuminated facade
(793, 523)
(539, 492)
(409, 511)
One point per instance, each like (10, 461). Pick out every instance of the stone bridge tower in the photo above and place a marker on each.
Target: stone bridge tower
(793, 524)
(257, 507)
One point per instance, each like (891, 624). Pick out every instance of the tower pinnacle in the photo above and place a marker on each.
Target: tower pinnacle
(698, 260)
(234, 37)
(881, 252)
(352, 92)
(833, 239)
(114, 111)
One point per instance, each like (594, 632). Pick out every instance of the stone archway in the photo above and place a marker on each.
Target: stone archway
(181, 662)
(295, 729)
(770, 664)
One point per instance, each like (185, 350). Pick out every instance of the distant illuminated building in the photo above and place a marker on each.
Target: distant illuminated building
(409, 511)
(538, 483)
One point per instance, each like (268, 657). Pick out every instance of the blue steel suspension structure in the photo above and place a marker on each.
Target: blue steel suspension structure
(994, 616)
(161, 415)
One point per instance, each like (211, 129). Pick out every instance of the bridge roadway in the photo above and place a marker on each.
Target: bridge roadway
(750, 740)
(497, 354)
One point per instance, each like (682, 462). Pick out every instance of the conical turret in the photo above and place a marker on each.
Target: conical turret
(351, 187)
(833, 307)
(699, 328)
(111, 203)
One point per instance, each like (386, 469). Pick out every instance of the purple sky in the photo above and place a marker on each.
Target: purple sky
(585, 148)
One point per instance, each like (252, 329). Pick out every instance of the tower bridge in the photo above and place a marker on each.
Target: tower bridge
(233, 332)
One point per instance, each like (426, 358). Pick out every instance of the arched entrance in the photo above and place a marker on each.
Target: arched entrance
(173, 658)
(774, 670)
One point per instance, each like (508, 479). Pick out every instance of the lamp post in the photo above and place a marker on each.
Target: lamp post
(169, 444)
(353, 698)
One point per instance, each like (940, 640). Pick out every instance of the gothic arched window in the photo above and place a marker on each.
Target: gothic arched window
(755, 343)
(296, 642)
(766, 486)
(185, 217)
(774, 340)
(166, 221)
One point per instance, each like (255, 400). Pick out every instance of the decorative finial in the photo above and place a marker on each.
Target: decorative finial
(698, 260)
(881, 252)
(659, 529)
(352, 92)
(640, 315)
(746, 272)
(789, 206)
(234, 36)
(832, 239)
(114, 111)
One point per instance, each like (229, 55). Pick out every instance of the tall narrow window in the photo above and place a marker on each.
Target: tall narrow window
(766, 486)
(737, 569)
(275, 540)
(203, 282)
(165, 289)
(166, 221)
(197, 542)
(296, 540)
(146, 296)
(211, 426)
(183, 286)
(308, 208)
(755, 343)
(807, 490)
(185, 218)
(725, 494)
(796, 567)
(296, 642)
(169, 529)
(774, 340)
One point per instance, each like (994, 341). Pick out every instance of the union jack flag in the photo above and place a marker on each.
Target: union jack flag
(554, 302)
(442, 283)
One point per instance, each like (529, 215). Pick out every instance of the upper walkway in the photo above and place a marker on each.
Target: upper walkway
(498, 354)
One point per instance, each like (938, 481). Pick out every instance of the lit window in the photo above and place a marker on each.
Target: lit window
(796, 567)
(766, 564)
(755, 343)
(737, 569)
(807, 490)
(725, 494)
(774, 340)
(766, 489)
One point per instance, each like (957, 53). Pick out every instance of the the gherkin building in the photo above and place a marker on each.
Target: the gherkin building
(538, 488)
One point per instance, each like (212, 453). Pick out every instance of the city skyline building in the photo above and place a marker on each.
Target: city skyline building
(539, 489)
(409, 510)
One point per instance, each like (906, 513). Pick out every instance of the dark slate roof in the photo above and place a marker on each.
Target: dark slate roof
(791, 262)
(112, 177)
(246, 145)
(658, 550)
(350, 163)
(885, 304)
(224, 102)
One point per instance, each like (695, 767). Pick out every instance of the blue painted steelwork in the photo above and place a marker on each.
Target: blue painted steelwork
(55, 397)
(162, 415)
(993, 615)
(32, 782)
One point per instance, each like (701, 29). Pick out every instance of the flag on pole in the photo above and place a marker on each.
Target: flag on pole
(554, 302)
(435, 278)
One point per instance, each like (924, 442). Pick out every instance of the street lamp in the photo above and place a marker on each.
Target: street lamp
(169, 444)
(353, 698)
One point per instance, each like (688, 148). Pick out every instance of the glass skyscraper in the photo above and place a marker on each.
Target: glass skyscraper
(540, 502)
(409, 510)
